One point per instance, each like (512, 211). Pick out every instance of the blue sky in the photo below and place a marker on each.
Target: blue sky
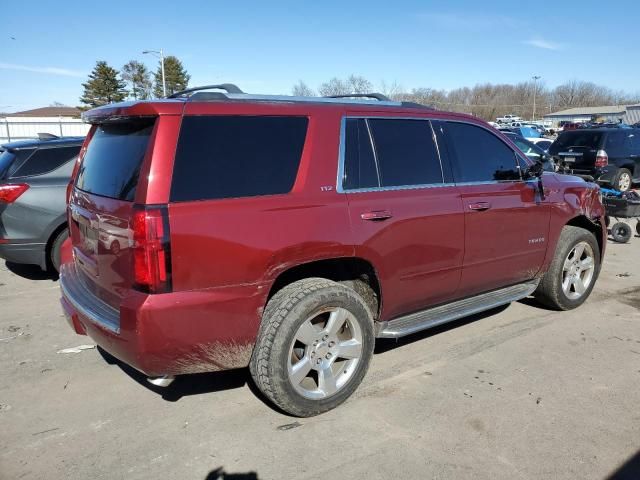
(266, 47)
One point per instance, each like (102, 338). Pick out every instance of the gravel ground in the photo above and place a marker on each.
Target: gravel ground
(518, 392)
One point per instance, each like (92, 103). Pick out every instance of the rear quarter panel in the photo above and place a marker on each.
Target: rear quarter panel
(251, 240)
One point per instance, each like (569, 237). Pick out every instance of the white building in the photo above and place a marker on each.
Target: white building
(611, 113)
(60, 121)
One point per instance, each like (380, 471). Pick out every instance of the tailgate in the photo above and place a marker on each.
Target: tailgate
(101, 207)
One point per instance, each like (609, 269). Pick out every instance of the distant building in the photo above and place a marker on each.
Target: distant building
(611, 113)
(60, 121)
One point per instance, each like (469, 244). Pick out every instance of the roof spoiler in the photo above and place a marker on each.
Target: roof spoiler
(47, 136)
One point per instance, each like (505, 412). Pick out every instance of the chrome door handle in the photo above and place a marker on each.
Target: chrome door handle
(480, 206)
(377, 215)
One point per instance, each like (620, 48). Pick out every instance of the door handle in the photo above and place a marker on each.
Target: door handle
(480, 206)
(377, 215)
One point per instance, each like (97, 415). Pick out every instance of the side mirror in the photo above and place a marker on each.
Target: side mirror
(534, 171)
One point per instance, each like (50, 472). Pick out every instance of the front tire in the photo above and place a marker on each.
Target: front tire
(573, 271)
(314, 346)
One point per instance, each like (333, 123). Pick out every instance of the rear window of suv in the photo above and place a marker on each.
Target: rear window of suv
(111, 164)
(226, 156)
(45, 160)
(576, 138)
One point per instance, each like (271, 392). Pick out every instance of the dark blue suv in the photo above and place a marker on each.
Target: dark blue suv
(33, 178)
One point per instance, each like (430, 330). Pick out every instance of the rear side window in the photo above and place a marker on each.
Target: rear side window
(111, 164)
(236, 156)
(406, 152)
(360, 169)
(45, 160)
(616, 143)
(10, 161)
(480, 156)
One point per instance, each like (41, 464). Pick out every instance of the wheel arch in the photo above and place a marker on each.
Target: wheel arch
(337, 269)
(582, 221)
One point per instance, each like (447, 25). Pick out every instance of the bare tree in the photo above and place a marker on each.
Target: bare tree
(301, 89)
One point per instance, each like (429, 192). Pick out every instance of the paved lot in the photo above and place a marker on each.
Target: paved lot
(520, 392)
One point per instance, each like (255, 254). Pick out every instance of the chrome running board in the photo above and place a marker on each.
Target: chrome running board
(432, 317)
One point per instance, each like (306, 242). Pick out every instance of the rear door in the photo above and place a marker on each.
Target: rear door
(506, 220)
(405, 213)
(102, 205)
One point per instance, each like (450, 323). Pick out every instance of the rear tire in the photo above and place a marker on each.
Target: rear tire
(314, 346)
(573, 271)
(622, 180)
(621, 232)
(56, 245)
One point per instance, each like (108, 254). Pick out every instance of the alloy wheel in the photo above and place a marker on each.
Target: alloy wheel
(578, 271)
(325, 353)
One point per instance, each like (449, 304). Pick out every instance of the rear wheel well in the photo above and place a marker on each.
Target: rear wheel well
(629, 166)
(59, 229)
(586, 224)
(336, 269)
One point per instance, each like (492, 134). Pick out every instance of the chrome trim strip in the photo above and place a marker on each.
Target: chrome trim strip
(432, 317)
(85, 302)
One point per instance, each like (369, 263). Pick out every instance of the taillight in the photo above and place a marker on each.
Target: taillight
(151, 249)
(602, 159)
(10, 192)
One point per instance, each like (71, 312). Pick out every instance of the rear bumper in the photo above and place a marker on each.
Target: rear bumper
(169, 334)
(27, 253)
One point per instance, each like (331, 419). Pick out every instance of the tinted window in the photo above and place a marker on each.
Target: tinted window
(237, 156)
(615, 144)
(111, 165)
(10, 161)
(576, 138)
(480, 155)
(359, 162)
(45, 160)
(406, 152)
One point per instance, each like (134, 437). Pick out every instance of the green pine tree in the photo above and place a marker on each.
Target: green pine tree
(176, 77)
(139, 77)
(103, 87)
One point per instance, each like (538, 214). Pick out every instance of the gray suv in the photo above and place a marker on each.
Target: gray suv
(33, 179)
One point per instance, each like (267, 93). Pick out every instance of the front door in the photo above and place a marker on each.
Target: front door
(506, 220)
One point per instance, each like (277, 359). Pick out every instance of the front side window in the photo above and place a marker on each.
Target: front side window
(227, 156)
(390, 153)
(479, 155)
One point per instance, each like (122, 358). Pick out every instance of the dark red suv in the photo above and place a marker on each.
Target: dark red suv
(219, 230)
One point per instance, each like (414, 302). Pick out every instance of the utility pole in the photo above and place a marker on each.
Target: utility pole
(535, 84)
(160, 55)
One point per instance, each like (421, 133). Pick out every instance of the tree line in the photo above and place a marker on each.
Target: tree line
(107, 84)
(486, 101)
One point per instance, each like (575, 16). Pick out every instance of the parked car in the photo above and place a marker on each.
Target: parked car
(611, 156)
(288, 233)
(543, 143)
(525, 132)
(508, 119)
(532, 151)
(33, 178)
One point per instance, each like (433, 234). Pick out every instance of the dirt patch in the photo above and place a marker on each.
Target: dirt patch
(214, 357)
(630, 296)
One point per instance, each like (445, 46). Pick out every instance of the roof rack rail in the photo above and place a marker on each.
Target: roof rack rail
(47, 136)
(416, 105)
(376, 96)
(228, 87)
